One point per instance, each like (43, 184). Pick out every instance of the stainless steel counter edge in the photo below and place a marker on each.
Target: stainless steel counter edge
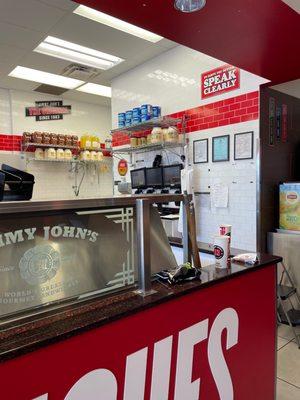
(83, 204)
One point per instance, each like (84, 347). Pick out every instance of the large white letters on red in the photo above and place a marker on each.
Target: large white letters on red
(101, 384)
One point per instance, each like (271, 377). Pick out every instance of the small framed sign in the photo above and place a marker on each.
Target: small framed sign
(200, 151)
(220, 148)
(243, 146)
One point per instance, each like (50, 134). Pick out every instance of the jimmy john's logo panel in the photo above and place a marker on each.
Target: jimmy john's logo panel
(220, 80)
(48, 110)
(44, 259)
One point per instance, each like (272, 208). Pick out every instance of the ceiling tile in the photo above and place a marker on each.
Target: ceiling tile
(62, 4)
(11, 54)
(291, 88)
(30, 14)
(23, 38)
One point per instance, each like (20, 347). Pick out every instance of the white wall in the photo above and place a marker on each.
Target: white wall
(55, 181)
(172, 80)
(148, 83)
(240, 177)
(5, 112)
(84, 117)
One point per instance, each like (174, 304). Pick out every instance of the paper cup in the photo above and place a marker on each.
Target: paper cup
(221, 250)
(225, 230)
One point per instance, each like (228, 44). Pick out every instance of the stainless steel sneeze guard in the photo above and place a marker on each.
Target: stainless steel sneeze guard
(56, 251)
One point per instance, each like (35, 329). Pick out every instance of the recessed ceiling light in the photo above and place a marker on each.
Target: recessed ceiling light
(189, 6)
(116, 23)
(35, 75)
(93, 88)
(59, 48)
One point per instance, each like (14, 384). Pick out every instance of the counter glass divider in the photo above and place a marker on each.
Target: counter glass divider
(58, 253)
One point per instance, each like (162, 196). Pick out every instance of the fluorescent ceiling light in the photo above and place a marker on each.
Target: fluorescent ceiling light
(93, 88)
(116, 23)
(55, 47)
(35, 75)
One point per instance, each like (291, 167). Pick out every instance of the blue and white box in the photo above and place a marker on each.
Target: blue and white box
(156, 111)
(137, 120)
(121, 117)
(146, 109)
(136, 112)
(145, 118)
(129, 115)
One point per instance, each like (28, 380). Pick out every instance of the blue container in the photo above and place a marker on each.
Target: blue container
(121, 117)
(136, 120)
(128, 122)
(156, 111)
(121, 124)
(145, 118)
(129, 115)
(146, 109)
(136, 112)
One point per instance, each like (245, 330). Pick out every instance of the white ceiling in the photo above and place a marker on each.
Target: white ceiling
(26, 23)
(291, 88)
(294, 4)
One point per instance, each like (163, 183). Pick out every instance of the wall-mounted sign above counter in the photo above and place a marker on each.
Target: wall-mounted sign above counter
(220, 80)
(48, 110)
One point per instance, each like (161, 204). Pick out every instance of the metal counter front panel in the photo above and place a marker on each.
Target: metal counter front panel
(49, 258)
(211, 344)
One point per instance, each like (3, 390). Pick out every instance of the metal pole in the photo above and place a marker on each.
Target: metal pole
(143, 247)
(185, 234)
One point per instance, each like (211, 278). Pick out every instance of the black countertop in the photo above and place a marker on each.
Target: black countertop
(36, 332)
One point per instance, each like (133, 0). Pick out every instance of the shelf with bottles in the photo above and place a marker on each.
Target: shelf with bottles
(161, 122)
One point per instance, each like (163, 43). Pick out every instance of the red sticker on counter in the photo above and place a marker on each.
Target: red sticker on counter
(123, 167)
(220, 80)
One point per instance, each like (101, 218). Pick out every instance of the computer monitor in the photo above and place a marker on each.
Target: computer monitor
(154, 177)
(138, 178)
(172, 175)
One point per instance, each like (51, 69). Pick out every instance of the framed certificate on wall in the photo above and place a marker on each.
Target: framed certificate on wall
(220, 148)
(200, 151)
(243, 146)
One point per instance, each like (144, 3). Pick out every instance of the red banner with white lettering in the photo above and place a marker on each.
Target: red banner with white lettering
(216, 343)
(220, 80)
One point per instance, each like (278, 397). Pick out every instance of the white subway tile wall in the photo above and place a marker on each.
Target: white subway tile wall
(56, 181)
(240, 176)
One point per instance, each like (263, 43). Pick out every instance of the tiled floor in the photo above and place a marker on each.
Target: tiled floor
(288, 365)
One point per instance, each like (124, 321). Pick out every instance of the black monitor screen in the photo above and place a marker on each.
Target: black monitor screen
(154, 177)
(172, 175)
(138, 178)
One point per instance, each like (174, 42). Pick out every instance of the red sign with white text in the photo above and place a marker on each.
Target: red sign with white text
(219, 81)
(211, 344)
